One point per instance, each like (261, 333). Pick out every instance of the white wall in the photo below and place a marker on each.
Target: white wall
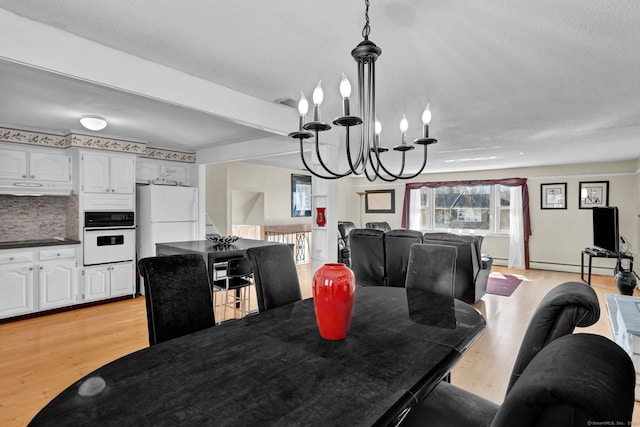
(223, 180)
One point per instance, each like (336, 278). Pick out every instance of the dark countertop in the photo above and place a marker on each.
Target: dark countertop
(204, 247)
(37, 243)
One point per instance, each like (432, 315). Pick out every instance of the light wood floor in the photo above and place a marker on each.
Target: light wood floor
(40, 357)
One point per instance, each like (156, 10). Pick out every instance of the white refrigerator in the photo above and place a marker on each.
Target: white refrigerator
(164, 213)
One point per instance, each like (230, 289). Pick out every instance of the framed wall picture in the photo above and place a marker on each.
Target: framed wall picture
(300, 195)
(593, 194)
(380, 201)
(553, 196)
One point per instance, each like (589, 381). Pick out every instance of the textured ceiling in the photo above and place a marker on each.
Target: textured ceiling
(511, 83)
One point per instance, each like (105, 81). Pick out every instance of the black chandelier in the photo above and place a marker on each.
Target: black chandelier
(368, 160)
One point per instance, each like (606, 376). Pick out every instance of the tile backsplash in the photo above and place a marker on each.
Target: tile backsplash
(42, 217)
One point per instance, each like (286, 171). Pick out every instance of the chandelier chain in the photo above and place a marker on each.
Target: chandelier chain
(367, 29)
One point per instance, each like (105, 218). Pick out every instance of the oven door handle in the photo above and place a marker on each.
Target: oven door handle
(109, 228)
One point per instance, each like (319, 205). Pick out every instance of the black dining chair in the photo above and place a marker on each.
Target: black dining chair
(275, 276)
(561, 310)
(577, 380)
(433, 268)
(177, 296)
(397, 246)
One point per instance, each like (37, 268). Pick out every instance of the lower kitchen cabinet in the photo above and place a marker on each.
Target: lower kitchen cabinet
(108, 281)
(45, 278)
(57, 284)
(16, 290)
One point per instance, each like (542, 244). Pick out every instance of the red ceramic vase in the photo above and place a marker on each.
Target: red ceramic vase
(321, 219)
(334, 288)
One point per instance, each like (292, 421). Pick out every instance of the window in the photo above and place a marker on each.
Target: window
(480, 208)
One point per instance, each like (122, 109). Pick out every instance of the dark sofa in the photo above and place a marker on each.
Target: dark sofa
(344, 246)
(380, 259)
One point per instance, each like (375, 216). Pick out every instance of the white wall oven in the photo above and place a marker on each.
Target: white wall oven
(109, 237)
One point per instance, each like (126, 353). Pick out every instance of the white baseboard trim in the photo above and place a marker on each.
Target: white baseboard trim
(567, 268)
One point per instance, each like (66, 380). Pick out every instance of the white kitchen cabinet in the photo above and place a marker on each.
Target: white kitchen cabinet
(108, 281)
(122, 279)
(96, 282)
(34, 166)
(108, 174)
(57, 277)
(16, 289)
(49, 167)
(23, 291)
(13, 165)
(57, 284)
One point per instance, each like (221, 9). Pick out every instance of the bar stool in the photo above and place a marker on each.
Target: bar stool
(238, 278)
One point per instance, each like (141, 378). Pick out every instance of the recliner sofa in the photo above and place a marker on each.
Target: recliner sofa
(379, 263)
(382, 225)
(344, 246)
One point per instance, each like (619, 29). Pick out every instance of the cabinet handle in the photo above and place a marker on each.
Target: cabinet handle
(113, 191)
(107, 190)
(41, 268)
(58, 254)
(30, 268)
(24, 176)
(33, 176)
(11, 258)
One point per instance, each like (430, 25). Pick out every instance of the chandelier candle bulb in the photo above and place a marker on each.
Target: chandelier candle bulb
(345, 91)
(318, 96)
(303, 107)
(426, 118)
(378, 130)
(404, 125)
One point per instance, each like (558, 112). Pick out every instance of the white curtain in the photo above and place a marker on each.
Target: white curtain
(414, 209)
(516, 229)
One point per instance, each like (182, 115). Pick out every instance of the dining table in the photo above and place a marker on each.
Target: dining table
(274, 368)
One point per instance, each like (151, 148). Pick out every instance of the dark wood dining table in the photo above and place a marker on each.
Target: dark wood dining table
(273, 368)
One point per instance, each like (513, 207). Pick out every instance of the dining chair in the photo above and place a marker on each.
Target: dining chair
(433, 268)
(561, 310)
(397, 247)
(236, 280)
(472, 267)
(275, 276)
(577, 380)
(177, 296)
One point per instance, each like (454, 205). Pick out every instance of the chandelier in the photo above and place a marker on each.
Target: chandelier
(367, 159)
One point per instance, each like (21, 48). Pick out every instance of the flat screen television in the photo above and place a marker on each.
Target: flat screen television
(606, 234)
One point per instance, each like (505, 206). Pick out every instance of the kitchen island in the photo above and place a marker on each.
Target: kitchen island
(211, 252)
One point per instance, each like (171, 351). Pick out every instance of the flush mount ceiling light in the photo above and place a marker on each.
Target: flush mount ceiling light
(368, 160)
(94, 123)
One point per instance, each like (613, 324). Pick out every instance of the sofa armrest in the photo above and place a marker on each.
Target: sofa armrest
(486, 262)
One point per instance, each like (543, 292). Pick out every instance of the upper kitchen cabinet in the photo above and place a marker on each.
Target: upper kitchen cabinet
(165, 172)
(34, 168)
(108, 174)
(107, 181)
(13, 165)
